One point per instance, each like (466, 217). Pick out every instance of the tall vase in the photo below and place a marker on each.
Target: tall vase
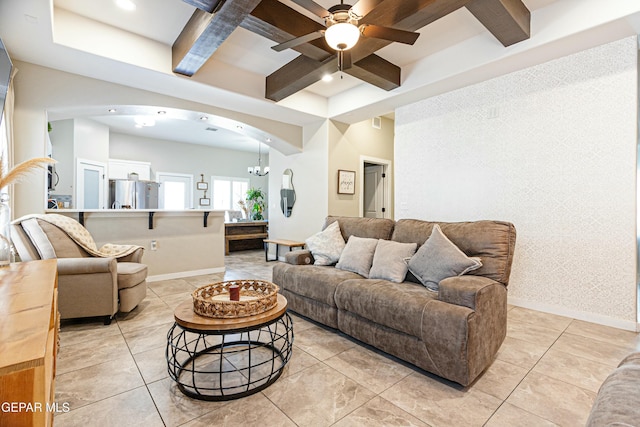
(6, 251)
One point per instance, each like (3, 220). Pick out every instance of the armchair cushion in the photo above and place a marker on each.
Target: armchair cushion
(131, 274)
(65, 247)
(39, 239)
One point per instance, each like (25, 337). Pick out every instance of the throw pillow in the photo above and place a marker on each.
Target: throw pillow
(389, 260)
(327, 245)
(357, 255)
(440, 258)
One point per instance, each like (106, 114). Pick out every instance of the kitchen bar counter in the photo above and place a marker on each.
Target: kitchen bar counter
(178, 243)
(82, 214)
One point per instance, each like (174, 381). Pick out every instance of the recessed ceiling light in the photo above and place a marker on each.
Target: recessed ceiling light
(161, 112)
(327, 78)
(268, 139)
(204, 118)
(112, 110)
(126, 5)
(144, 122)
(239, 127)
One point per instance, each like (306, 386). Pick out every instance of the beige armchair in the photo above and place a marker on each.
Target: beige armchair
(88, 285)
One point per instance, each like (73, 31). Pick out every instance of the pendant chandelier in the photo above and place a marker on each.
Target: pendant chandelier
(258, 170)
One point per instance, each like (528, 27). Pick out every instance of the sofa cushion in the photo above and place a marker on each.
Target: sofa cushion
(311, 281)
(389, 260)
(357, 255)
(438, 259)
(131, 274)
(397, 306)
(373, 228)
(327, 245)
(492, 241)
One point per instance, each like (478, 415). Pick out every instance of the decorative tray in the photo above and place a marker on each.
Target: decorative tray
(256, 296)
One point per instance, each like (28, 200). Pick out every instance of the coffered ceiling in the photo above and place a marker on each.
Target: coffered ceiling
(134, 48)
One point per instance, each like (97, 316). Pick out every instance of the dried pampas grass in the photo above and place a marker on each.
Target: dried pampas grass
(20, 171)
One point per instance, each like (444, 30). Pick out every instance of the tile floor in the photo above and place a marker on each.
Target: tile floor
(546, 373)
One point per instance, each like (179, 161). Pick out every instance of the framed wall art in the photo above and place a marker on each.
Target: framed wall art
(346, 182)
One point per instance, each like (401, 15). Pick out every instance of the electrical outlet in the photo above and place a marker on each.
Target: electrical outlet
(154, 245)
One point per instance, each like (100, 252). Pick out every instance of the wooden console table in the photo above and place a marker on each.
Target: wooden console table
(28, 342)
(239, 236)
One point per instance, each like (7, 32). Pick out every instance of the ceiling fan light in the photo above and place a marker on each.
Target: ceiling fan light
(342, 36)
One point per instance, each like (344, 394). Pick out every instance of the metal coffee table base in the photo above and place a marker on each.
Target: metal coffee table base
(229, 364)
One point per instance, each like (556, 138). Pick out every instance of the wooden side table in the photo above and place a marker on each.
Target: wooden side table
(284, 242)
(224, 359)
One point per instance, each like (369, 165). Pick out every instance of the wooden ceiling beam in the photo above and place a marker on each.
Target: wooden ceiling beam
(205, 5)
(307, 71)
(376, 71)
(508, 20)
(280, 23)
(205, 32)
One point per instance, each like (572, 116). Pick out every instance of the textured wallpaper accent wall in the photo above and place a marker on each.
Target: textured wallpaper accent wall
(551, 148)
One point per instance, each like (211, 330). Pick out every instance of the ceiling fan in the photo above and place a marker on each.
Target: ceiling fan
(343, 31)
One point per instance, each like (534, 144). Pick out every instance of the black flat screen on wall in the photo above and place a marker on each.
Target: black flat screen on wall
(5, 74)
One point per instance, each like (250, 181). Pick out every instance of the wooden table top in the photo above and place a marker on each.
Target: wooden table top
(187, 318)
(27, 303)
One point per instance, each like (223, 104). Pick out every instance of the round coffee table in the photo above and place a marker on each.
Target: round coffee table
(223, 359)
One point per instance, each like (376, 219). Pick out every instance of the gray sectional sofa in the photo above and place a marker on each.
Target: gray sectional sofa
(454, 333)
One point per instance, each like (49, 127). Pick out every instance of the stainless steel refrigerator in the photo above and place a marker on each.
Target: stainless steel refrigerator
(133, 194)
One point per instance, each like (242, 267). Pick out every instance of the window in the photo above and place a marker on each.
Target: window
(227, 191)
(176, 190)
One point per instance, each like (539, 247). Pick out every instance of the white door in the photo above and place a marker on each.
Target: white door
(373, 191)
(176, 190)
(90, 184)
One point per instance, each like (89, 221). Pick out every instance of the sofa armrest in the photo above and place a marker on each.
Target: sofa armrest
(70, 266)
(464, 328)
(465, 290)
(617, 401)
(135, 256)
(300, 257)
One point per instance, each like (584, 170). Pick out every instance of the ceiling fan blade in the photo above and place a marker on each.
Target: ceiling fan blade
(363, 7)
(314, 7)
(391, 34)
(297, 41)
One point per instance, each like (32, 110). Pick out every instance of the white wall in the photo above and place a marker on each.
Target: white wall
(347, 145)
(551, 148)
(171, 156)
(310, 180)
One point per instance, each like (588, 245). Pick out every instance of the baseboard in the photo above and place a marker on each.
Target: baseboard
(576, 314)
(181, 274)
